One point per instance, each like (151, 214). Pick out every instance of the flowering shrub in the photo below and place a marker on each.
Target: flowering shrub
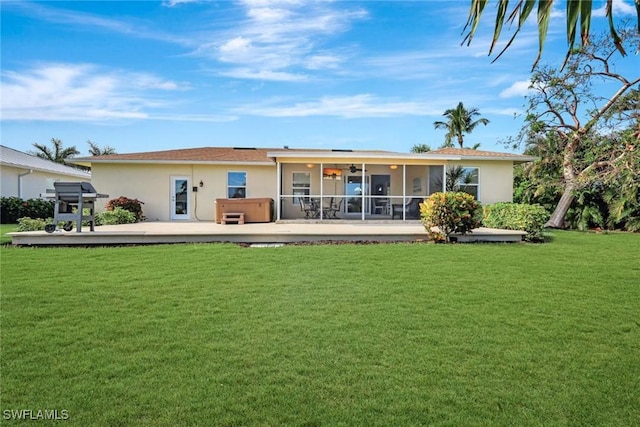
(132, 205)
(13, 208)
(515, 216)
(443, 214)
(116, 216)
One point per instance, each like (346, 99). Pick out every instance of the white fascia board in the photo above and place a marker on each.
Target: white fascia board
(178, 162)
(514, 158)
(71, 172)
(348, 156)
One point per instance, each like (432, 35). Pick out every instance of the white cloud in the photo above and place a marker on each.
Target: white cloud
(281, 38)
(520, 88)
(268, 14)
(83, 92)
(173, 3)
(357, 106)
(620, 8)
(265, 75)
(93, 21)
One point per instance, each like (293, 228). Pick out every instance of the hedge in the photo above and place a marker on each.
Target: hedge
(515, 216)
(13, 208)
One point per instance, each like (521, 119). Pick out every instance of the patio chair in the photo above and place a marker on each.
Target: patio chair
(411, 210)
(333, 209)
(307, 208)
(380, 206)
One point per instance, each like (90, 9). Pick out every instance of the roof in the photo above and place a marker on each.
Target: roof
(470, 154)
(18, 159)
(207, 155)
(204, 154)
(268, 156)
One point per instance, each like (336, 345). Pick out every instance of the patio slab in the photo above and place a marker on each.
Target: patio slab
(207, 232)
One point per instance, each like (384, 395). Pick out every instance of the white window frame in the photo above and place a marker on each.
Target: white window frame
(462, 184)
(229, 186)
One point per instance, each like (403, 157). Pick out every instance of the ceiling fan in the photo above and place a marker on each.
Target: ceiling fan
(354, 169)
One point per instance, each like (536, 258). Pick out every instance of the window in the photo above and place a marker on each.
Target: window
(301, 185)
(236, 185)
(469, 182)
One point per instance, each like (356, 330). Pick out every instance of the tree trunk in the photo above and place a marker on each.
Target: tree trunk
(557, 217)
(569, 175)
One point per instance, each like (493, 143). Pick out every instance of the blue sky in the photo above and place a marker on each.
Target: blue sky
(144, 76)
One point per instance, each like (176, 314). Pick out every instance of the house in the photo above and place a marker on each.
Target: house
(26, 176)
(186, 184)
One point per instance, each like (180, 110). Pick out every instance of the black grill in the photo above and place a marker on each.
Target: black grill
(73, 200)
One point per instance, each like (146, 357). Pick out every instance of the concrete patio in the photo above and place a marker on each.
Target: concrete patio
(289, 232)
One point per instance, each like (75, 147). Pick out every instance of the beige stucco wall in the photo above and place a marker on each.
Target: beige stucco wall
(32, 185)
(151, 184)
(495, 180)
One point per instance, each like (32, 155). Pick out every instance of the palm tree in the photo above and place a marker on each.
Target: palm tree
(420, 148)
(56, 153)
(577, 10)
(95, 150)
(460, 121)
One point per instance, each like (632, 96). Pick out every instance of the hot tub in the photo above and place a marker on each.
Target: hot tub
(254, 209)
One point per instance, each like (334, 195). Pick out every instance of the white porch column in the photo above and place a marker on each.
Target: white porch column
(404, 191)
(444, 178)
(364, 192)
(278, 190)
(321, 193)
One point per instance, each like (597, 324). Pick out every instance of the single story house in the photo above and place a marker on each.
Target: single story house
(186, 184)
(26, 176)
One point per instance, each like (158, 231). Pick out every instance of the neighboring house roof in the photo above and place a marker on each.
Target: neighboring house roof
(267, 156)
(18, 159)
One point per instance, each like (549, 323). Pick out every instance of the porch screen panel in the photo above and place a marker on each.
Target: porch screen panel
(301, 185)
(435, 179)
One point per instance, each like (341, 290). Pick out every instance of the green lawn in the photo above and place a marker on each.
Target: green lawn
(389, 335)
(4, 229)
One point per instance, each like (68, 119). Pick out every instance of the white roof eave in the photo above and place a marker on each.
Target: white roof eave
(175, 162)
(359, 155)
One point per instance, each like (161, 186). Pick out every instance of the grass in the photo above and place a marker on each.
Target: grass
(4, 229)
(399, 334)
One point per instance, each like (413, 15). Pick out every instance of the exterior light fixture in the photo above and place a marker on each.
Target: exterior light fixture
(310, 165)
(394, 167)
(201, 184)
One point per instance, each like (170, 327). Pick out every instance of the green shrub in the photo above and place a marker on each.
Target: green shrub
(13, 208)
(31, 224)
(515, 216)
(451, 213)
(132, 205)
(115, 216)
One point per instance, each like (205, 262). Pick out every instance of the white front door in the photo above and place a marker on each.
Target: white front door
(180, 197)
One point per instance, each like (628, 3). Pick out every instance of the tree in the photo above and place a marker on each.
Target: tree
(584, 125)
(95, 150)
(610, 201)
(460, 121)
(56, 153)
(420, 148)
(576, 10)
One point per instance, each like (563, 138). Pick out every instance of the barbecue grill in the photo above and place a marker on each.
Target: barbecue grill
(71, 199)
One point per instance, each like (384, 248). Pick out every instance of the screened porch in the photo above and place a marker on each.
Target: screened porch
(355, 191)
